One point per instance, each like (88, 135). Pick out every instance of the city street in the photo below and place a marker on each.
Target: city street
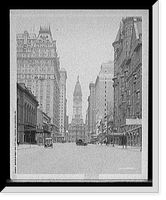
(68, 158)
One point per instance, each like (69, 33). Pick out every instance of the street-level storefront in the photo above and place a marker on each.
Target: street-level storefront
(102, 137)
(133, 132)
(59, 138)
(26, 115)
(134, 136)
(29, 134)
(115, 138)
(41, 134)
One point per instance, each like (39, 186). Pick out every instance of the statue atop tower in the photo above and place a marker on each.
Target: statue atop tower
(77, 90)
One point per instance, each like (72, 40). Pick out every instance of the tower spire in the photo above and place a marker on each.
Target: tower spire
(78, 78)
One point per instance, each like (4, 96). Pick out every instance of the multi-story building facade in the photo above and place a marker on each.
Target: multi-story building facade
(128, 79)
(91, 111)
(77, 128)
(92, 108)
(26, 114)
(63, 102)
(67, 128)
(38, 67)
(87, 130)
(104, 93)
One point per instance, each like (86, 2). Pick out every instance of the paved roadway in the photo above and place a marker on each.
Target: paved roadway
(68, 158)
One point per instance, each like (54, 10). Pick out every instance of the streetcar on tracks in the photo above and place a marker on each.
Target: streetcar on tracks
(48, 142)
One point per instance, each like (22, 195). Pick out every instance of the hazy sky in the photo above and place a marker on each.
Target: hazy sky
(84, 41)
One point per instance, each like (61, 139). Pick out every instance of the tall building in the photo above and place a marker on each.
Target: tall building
(91, 112)
(77, 128)
(67, 128)
(63, 77)
(87, 131)
(104, 93)
(38, 67)
(128, 79)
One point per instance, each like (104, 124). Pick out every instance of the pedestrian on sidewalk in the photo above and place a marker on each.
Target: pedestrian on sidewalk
(125, 141)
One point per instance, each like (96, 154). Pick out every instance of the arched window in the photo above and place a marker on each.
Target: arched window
(25, 112)
(33, 116)
(29, 114)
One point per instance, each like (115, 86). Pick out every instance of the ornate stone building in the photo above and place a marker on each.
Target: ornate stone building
(38, 67)
(26, 114)
(128, 79)
(77, 128)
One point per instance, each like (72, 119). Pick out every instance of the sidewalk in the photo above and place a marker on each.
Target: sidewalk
(27, 146)
(131, 148)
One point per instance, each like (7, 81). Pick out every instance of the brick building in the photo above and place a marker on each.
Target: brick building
(128, 80)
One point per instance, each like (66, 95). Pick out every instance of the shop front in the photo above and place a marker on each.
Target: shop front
(30, 135)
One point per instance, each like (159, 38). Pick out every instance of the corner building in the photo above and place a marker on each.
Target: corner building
(38, 67)
(128, 80)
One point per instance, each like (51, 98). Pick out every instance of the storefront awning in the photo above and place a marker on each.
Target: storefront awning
(46, 131)
(29, 130)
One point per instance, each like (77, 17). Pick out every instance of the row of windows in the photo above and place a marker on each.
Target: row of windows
(27, 53)
(128, 31)
(29, 114)
(35, 70)
(35, 62)
(34, 76)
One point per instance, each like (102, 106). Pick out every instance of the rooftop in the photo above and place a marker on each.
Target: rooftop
(45, 29)
(25, 89)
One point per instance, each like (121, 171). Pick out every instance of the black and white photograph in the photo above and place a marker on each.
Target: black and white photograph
(79, 96)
